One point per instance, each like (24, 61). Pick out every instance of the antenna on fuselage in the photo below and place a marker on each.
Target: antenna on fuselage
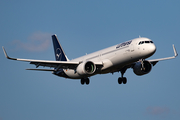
(139, 36)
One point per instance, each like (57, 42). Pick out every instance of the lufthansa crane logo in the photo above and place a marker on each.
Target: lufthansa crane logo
(58, 53)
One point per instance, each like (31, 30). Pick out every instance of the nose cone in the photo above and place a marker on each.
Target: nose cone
(152, 49)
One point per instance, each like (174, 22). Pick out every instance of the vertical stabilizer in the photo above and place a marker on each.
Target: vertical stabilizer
(58, 51)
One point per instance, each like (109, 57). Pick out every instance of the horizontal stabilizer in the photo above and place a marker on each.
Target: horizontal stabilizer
(41, 69)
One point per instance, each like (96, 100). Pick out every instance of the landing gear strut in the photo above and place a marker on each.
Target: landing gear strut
(122, 79)
(85, 80)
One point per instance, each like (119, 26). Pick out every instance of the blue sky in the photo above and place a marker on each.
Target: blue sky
(85, 26)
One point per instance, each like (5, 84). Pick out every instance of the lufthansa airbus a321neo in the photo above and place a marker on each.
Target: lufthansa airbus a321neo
(118, 58)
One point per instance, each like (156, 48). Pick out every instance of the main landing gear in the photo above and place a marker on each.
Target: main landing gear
(85, 80)
(122, 79)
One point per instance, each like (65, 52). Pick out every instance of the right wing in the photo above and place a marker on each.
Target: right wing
(154, 61)
(52, 64)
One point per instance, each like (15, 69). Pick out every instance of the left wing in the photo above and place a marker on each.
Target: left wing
(53, 64)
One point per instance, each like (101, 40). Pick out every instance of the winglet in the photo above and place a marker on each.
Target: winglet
(175, 52)
(7, 55)
(167, 58)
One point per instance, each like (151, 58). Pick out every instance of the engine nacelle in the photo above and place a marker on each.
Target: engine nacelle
(140, 70)
(86, 68)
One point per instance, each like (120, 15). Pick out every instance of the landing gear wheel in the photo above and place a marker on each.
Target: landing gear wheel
(85, 80)
(82, 81)
(120, 80)
(124, 80)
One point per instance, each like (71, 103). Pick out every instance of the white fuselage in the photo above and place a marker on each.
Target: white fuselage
(115, 57)
(118, 58)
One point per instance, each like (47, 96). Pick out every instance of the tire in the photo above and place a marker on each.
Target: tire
(120, 80)
(87, 81)
(124, 80)
(82, 81)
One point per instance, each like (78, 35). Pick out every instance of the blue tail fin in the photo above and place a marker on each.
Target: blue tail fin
(59, 53)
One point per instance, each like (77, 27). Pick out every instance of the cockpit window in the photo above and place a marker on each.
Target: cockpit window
(142, 42)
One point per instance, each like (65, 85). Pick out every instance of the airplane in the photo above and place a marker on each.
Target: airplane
(118, 58)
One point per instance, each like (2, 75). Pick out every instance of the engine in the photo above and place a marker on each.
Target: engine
(86, 68)
(142, 68)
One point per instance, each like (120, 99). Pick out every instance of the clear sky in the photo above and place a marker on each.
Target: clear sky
(85, 26)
